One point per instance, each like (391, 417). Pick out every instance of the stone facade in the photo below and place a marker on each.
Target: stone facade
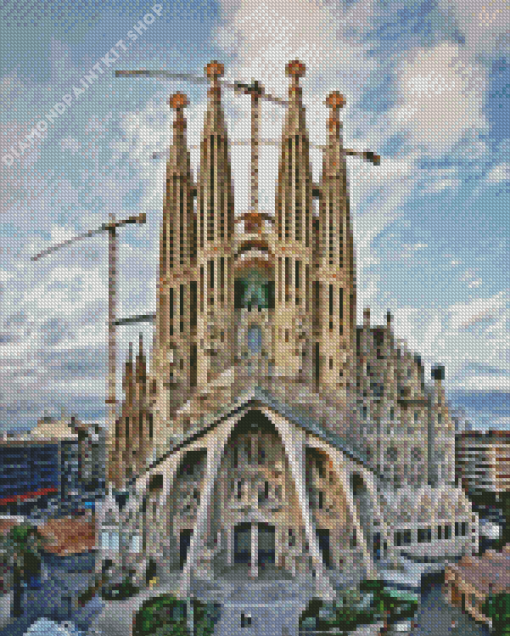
(269, 424)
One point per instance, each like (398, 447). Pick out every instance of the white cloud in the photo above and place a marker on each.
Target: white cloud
(485, 25)
(499, 173)
(469, 338)
(440, 98)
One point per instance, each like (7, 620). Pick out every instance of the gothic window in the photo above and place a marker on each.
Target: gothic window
(254, 339)
(261, 453)
(392, 414)
(439, 418)
(235, 457)
(321, 499)
(247, 450)
(424, 535)
(416, 416)
(292, 538)
(263, 494)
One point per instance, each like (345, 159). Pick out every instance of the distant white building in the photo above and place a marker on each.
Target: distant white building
(483, 462)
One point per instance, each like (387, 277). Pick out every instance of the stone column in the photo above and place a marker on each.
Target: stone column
(343, 477)
(215, 452)
(294, 445)
(254, 557)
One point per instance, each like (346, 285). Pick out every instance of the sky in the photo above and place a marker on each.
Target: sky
(427, 86)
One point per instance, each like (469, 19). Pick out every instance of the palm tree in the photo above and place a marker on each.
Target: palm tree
(22, 545)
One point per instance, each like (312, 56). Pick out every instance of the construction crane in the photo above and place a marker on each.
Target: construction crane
(257, 92)
(111, 227)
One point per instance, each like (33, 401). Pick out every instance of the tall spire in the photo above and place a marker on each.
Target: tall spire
(333, 284)
(334, 163)
(178, 201)
(294, 244)
(215, 233)
(179, 160)
(177, 288)
(295, 115)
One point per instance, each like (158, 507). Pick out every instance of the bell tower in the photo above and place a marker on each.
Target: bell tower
(215, 233)
(293, 240)
(176, 315)
(333, 293)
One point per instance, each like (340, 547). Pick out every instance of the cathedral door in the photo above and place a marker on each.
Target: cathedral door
(323, 536)
(266, 544)
(242, 543)
(184, 545)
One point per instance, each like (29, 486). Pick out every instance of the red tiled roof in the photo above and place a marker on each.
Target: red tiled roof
(68, 536)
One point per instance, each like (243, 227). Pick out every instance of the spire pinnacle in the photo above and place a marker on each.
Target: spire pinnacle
(295, 116)
(214, 120)
(179, 156)
(213, 70)
(178, 101)
(332, 157)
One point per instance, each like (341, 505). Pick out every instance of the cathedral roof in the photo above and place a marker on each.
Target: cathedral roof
(261, 396)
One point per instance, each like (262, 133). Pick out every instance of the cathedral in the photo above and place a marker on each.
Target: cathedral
(272, 432)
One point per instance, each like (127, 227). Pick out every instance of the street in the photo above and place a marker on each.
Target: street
(435, 618)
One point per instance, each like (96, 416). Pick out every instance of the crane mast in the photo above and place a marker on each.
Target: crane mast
(111, 384)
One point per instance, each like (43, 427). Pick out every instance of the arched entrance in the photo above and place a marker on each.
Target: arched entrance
(242, 543)
(323, 536)
(185, 540)
(265, 542)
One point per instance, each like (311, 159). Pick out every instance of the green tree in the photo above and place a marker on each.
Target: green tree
(23, 546)
(497, 608)
(162, 616)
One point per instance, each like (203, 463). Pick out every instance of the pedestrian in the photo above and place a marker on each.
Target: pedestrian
(453, 625)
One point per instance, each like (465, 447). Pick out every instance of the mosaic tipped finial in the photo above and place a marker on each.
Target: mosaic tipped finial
(335, 100)
(295, 69)
(214, 69)
(178, 101)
